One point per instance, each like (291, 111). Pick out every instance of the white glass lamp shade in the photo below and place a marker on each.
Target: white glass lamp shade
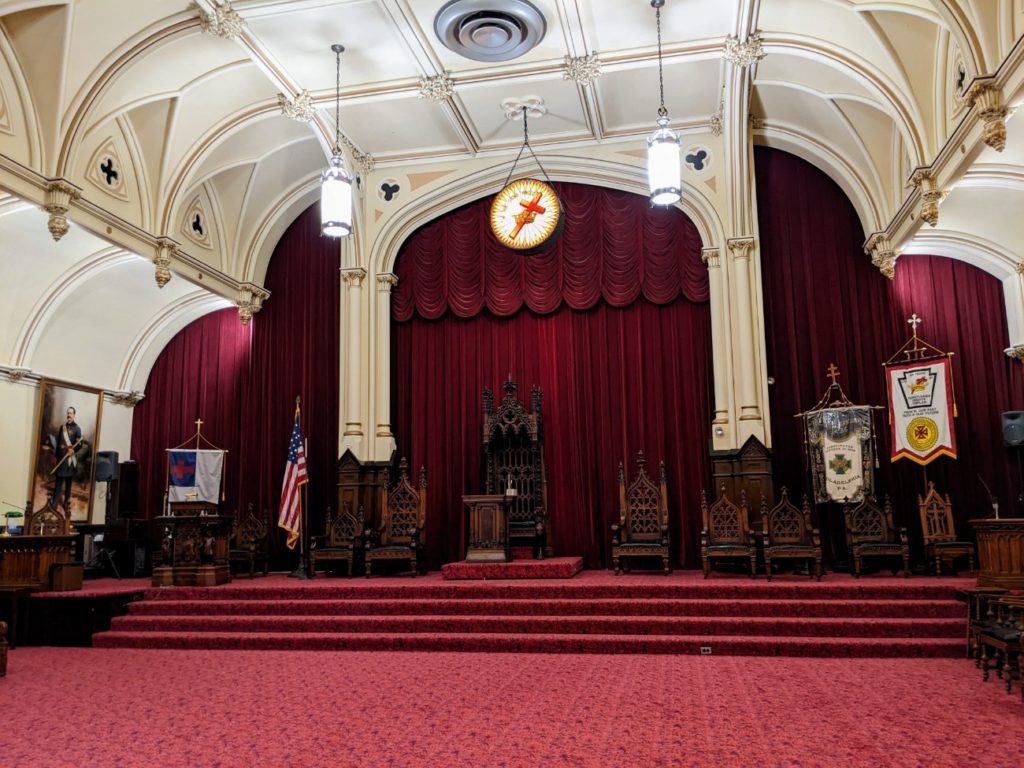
(664, 172)
(336, 199)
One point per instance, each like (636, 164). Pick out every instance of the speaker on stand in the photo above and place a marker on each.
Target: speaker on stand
(1013, 437)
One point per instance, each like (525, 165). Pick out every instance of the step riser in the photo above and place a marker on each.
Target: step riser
(596, 626)
(526, 644)
(775, 609)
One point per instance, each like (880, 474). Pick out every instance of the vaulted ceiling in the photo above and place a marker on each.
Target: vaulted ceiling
(172, 135)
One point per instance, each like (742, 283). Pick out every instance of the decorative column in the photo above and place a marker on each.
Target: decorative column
(353, 433)
(742, 249)
(383, 438)
(721, 439)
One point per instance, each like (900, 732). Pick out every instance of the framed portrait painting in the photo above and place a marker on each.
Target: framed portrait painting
(67, 433)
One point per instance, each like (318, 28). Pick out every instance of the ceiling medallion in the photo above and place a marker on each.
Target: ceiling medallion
(526, 216)
(490, 30)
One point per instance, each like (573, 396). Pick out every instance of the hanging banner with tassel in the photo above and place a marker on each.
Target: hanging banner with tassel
(921, 410)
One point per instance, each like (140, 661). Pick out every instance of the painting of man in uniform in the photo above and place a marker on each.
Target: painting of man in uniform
(67, 431)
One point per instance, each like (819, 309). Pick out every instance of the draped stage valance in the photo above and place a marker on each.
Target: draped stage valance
(614, 247)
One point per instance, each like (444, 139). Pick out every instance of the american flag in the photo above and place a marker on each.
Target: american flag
(289, 515)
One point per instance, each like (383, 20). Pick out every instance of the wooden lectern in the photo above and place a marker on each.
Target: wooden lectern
(488, 529)
(1000, 552)
(195, 541)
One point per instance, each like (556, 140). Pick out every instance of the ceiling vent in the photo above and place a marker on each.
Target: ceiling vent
(490, 30)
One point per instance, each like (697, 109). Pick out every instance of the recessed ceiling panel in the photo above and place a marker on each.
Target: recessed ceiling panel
(407, 125)
(564, 118)
(616, 26)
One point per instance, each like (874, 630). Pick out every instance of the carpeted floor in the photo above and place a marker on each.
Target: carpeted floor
(126, 707)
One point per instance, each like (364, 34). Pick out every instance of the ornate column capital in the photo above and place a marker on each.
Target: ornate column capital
(224, 21)
(988, 99)
(353, 277)
(744, 53)
(931, 197)
(386, 282)
(250, 301)
(712, 257)
(127, 399)
(59, 195)
(741, 247)
(299, 109)
(165, 250)
(880, 249)
(1017, 352)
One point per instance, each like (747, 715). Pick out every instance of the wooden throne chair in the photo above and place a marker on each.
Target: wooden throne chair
(514, 459)
(249, 541)
(403, 510)
(642, 530)
(870, 532)
(940, 542)
(342, 541)
(726, 532)
(789, 534)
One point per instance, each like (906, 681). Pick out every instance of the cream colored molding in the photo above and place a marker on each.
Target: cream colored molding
(582, 70)
(57, 202)
(744, 53)
(1017, 352)
(126, 399)
(880, 249)
(386, 282)
(712, 257)
(166, 248)
(250, 301)
(986, 97)
(353, 277)
(437, 88)
(15, 375)
(300, 108)
(223, 21)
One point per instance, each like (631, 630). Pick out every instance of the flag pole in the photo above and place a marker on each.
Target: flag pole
(302, 569)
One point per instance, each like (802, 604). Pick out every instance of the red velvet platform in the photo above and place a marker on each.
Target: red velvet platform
(551, 568)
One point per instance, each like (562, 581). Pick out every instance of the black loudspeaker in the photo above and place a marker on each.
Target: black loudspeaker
(1013, 429)
(106, 466)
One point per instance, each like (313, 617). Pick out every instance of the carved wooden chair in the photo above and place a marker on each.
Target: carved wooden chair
(642, 530)
(342, 541)
(249, 541)
(789, 534)
(46, 521)
(3, 649)
(403, 513)
(726, 532)
(870, 532)
(1000, 640)
(940, 542)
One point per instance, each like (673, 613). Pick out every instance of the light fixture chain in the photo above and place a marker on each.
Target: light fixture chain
(337, 104)
(661, 78)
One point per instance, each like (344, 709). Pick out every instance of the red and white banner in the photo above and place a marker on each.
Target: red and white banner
(921, 410)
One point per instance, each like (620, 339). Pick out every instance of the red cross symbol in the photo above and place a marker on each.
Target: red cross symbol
(921, 433)
(528, 215)
(180, 469)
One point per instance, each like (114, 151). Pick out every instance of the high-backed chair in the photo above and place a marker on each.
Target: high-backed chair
(249, 541)
(403, 513)
(342, 541)
(642, 530)
(726, 532)
(870, 532)
(939, 534)
(47, 521)
(789, 534)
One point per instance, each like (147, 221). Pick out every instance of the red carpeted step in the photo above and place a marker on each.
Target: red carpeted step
(937, 609)
(589, 625)
(560, 643)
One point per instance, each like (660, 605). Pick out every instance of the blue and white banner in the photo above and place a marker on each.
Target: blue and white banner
(194, 475)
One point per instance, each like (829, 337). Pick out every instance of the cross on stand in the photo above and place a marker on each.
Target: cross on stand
(914, 321)
(833, 373)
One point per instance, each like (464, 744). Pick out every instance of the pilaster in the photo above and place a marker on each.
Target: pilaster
(383, 437)
(354, 333)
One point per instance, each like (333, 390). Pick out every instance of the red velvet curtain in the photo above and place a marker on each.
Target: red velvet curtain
(616, 379)
(825, 302)
(243, 381)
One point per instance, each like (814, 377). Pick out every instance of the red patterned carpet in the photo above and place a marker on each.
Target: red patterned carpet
(595, 612)
(114, 708)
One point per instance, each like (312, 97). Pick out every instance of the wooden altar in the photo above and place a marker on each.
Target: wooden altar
(488, 529)
(1000, 552)
(193, 549)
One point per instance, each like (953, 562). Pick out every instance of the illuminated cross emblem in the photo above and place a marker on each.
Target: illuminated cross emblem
(528, 215)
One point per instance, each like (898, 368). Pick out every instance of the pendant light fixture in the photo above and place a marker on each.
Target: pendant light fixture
(663, 168)
(336, 181)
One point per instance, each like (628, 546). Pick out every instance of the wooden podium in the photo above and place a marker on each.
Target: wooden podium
(194, 547)
(488, 529)
(26, 561)
(1000, 552)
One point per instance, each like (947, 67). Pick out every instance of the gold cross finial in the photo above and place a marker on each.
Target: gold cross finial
(914, 321)
(199, 424)
(833, 373)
